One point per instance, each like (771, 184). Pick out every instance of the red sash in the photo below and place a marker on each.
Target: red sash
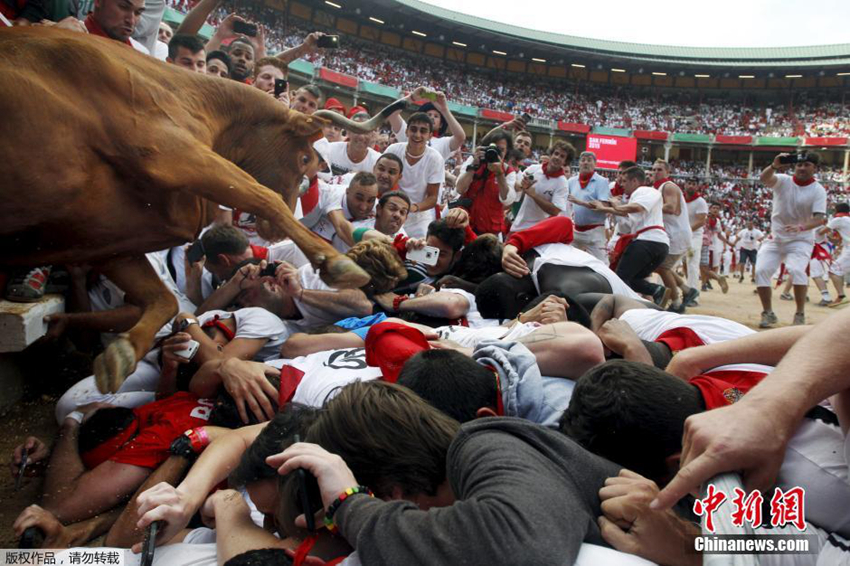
(586, 227)
(624, 242)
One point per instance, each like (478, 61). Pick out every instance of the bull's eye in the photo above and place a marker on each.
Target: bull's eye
(305, 159)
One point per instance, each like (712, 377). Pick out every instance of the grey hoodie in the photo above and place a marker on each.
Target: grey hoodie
(525, 393)
(525, 495)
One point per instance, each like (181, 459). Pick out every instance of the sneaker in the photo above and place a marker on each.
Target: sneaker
(768, 319)
(824, 303)
(799, 319)
(704, 287)
(28, 287)
(842, 300)
(690, 297)
(786, 297)
(677, 308)
(724, 285)
(658, 295)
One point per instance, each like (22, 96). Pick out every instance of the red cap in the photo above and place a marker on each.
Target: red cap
(334, 104)
(356, 110)
(390, 344)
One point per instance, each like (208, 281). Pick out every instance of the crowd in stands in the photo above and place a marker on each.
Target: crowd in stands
(617, 107)
(508, 375)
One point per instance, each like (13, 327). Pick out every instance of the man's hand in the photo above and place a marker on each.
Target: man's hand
(330, 471)
(214, 503)
(449, 282)
(527, 183)
(246, 382)
(259, 41)
(415, 244)
(441, 103)
(512, 262)
(683, 364)
(177, 343)
(225, 28)
(549, 311)
(386, 301)
(457, 218)
(71, 23)
(55, 534)
(286, 276)
(579, 202)
(794, 229)
(164, 502)
(777, 164)
(629, 525)
(617, 336)
(57, 325)
(424, 289)
(740, 437)
(193, 270)
(446, 344)
(497, 168)
(37, 454)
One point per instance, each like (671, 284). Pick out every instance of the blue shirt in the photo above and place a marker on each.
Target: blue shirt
(597, 189)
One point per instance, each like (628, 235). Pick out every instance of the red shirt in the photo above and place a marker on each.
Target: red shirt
(160, 423)
(720, 388)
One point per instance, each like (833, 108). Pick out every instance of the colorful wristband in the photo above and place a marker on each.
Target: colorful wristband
(332, 508)
(398, 300)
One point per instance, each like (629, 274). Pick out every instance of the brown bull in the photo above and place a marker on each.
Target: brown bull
(108, 154)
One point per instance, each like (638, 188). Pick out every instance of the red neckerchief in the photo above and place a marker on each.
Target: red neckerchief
(800, 183)
(693, 198)
(95, 29)
(658, 184)
(617, 191)
(310, 199)
(584, 179)
(555, 175)
(712, 222)
(260, 252)
(840, 214)
(216, 322)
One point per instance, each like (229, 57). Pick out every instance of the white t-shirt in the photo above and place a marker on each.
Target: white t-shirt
(553, 189)
(649, 324)
(430, 169)
(471, 337)
(256, 323)
(794, 205)
(312, 316)
(329, 200)
(678, 226)
(697, 206)
(324, 373)
(415, 178)
(651, 201)
(342, 164)
(749, 239)
(841, 225)
(510, 179)
(565, 254)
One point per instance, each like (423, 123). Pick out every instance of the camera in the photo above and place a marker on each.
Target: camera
(794, 158)
(245, 28)
(492, 154)
(270, 269)
(328, 42)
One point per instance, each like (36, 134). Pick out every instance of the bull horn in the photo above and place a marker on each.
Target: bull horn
(369, 125)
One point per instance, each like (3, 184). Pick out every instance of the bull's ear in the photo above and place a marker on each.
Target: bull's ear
(302, 125)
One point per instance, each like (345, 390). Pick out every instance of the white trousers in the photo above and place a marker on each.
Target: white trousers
(794, 253)
(592, 242)
(694, 260)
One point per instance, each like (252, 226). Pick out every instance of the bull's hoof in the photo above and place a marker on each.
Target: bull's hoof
(342, 273)
(113, 366)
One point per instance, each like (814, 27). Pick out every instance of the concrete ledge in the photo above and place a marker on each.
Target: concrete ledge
(21, 324)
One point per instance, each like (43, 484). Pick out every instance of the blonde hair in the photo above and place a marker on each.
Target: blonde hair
(381, 261)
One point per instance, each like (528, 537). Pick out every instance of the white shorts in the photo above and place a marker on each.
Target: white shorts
(818, 269)
(796, 255)
(592, 242)
(841, 265)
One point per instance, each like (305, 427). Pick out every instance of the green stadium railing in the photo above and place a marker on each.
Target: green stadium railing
(622, 132)
(467, 111)
(303, 67)
(380, 90)
(692, 138)
(172, 16)
(794, 141)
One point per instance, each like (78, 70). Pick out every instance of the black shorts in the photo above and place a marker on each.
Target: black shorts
(748, 255)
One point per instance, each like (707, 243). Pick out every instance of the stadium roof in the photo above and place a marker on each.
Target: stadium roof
(478, 32)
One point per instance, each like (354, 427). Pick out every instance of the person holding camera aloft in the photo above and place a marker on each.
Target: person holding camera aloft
(799, 206)
(545, 188)
(486, 184)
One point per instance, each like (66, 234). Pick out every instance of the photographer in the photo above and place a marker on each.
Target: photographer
(799, 206)
(486, 183)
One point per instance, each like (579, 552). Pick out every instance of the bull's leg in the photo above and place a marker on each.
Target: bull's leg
(206, 174)
(137, 278)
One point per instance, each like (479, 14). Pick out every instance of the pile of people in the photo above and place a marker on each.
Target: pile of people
(519, 381)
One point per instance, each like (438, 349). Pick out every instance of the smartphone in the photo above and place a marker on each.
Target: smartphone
(245, 28)
(792, 158)
(526, 117)
(195, 253)
(190, 352)
(149, 544)
(304, 494)
(328, 41)
(33, 537)
(427, 255)
(429, 95)
(269, 270)
(280, 86)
